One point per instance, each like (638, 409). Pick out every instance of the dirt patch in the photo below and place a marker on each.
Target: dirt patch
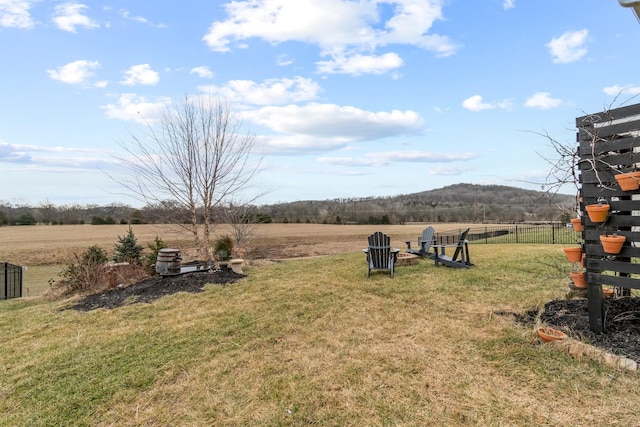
(154, 288)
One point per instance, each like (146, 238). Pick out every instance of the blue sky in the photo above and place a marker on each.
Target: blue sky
(345, 98)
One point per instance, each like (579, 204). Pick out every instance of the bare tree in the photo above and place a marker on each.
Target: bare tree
(243, 220)
(197, 157)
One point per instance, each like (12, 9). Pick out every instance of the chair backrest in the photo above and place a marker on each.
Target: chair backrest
(461, 241)
(379, 250)
(427, 238)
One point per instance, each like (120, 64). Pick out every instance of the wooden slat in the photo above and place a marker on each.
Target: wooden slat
(602, 265)
(603, 279)
(606, 148)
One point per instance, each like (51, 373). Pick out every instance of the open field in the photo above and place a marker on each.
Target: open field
(314, 342)
(37, 245)
(45, 250)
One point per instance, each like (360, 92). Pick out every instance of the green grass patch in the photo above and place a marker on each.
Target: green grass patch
(314, 342)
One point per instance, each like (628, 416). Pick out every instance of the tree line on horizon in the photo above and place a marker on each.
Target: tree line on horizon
(457, 203)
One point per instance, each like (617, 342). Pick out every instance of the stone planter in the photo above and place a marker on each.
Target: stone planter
(406, 259)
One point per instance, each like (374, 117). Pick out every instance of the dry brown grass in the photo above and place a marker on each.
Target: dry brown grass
(47, 250)
(314, 342)
(42, 245)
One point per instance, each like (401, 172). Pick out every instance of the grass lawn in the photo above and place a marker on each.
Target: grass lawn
(314, 342)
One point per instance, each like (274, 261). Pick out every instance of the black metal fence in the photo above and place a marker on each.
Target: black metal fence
(10, 281)
(554, 233)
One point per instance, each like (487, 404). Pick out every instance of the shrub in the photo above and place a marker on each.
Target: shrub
(128, 250)
(87, 273)
(95, 254)
(151, 257)
(223, 247)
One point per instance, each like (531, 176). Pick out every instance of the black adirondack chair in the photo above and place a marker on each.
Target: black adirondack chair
(424, 244)
(460, 257)
(380, 255)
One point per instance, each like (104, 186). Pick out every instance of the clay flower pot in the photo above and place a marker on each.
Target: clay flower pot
(612, 244)
(573, 254)
(597, 213)
(577, 224)
(628, 181)
(547, 334)
(578, 278)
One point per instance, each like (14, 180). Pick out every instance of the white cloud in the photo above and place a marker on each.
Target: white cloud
(388, 157)
(131, 107)
(268, 92)
(475, 103)
(340, 28)
(140, 75)
(202, 71)
(447, 170)
(51, 158)
(334, 121)
(68, 17)
(294, 144)
(127, 15)
(569, 47)
(543, 101)
(15, 14)
(509, 4)
(76, 72)
(360, 64)
(622, 90)
(283, 60)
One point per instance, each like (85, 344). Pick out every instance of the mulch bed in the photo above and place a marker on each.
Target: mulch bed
(153, 288)
(622, 323)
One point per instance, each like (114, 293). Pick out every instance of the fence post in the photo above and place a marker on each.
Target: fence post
(5, 284)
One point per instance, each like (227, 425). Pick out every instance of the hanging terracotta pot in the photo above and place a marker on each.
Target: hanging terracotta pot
(573, 254)
(612, 244)
(579, 279)
(577, 224)
(547, 334)
(598, 212)
(628, 181)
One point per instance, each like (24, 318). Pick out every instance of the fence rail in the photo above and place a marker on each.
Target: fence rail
(10, 281)
(554, 233)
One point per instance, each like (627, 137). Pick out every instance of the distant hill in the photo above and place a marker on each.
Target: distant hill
(454, 203)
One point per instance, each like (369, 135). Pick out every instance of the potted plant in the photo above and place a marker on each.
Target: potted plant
(612, 244)
(547, 334)
(598, 212)
(573, 254)
(578, 278)
(577, 224)
(628, 181)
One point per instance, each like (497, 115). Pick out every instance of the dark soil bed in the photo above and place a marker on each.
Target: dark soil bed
(622, 322)
(153, 288)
